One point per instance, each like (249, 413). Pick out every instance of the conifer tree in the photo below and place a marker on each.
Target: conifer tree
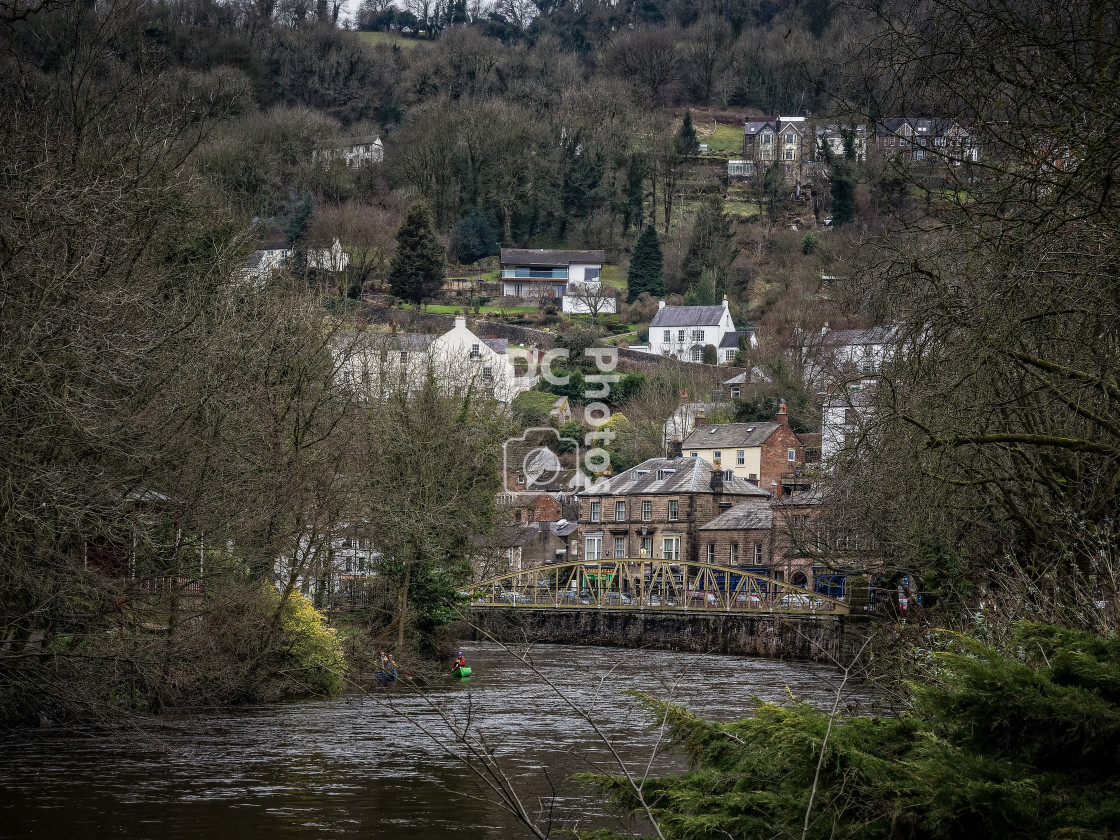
(686, 142)
(416, 272)
(645, 267)
(710, 247)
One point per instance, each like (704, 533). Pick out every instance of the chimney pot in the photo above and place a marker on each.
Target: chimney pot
(661, 304)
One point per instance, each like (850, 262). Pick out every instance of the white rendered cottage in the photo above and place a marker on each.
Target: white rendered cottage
(684, 331)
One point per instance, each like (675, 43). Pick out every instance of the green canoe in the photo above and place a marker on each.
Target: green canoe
(461, 671)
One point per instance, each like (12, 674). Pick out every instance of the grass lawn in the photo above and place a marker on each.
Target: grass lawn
(726, 140)
(388, 39)
(742, 209)
(612, 276)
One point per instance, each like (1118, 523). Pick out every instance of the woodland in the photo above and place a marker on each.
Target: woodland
(161, 419)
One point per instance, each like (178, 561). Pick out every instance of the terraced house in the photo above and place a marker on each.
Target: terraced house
(656, 509)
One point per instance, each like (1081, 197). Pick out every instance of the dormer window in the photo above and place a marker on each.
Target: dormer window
(663, 474)
(641, 473)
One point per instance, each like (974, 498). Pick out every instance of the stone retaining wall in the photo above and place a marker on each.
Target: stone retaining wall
(813, 638)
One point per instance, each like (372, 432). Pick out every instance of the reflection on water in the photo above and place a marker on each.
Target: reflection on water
(358, 766)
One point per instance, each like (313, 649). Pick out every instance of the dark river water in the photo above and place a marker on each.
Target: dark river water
(378, 764)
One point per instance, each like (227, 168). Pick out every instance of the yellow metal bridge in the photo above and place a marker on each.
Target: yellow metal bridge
(646, 584)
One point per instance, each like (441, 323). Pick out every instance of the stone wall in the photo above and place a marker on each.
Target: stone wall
(814, 638)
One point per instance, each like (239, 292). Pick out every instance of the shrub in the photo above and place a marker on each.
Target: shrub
(312, 650)
(809, 243)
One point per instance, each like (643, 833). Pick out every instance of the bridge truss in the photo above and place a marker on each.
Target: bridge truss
(648, 584)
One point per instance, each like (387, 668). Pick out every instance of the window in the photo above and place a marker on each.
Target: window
(674, 509)
(717, 454)
(596, 511)
(766, 139)
(671, 548)
(728, 475)
(647, 546)
(752, 477)
(736, 392)
(647, 511)
(663, 474)
(487, 374)
(404, 357)
(620, 511)
(680, 336)
(697, 354)
(695, 454)
(521, 478)
(620, 546)
(791, 455)
(591, 275)
(476, 351)
(593, 548)
(758, 552)
(740, 458)
(789, 136)
(733, 554)
(697, 335)
(668, 336)
(711, 552)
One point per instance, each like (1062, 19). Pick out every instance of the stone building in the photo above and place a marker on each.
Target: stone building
(655, 509)
(767, 453)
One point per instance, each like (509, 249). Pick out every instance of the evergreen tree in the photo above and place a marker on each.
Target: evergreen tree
(645, 267)
(686, 141)
(842, 179)
(416, 272)
(707, 291)
(709, 247)
(773, 186)
(636, 176)
(298, 221)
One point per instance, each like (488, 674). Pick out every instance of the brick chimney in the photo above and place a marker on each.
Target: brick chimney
(776, 489)
(684, 397)
(700, 419)
(782, 418)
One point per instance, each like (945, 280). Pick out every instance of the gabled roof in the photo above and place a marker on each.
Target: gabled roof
(414, 341)
(748, 515)
(753, 126)
(690, 475)
(859, 338)
(688, 316)
(730, 341)
(515, 256)
(729, 436)
(498, 345)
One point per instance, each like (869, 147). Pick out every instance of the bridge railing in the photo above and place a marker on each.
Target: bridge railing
(644, 584)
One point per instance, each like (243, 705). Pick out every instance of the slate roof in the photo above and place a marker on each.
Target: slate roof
(748, 515)
(729, 435)
(857, 338)
(730, 341)
(518, 256)
(498, 345)
(692, 475)
(754, 126)
(687, 316)
(414, 341)
(563, 528)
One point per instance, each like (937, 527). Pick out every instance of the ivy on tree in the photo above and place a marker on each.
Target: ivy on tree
(416, 272)
(645, 267)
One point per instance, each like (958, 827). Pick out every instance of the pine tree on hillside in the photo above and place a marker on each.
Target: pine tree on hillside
(645, 267)
(416, 272)
(686, 141)
(710, 248)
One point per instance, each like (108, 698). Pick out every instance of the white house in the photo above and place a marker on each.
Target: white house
(574, 278)
(353, 151)
(684, 331)
(260, 265)
(837, 355)
(381, 363)
(844, 416)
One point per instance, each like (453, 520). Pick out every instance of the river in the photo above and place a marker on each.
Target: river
(357, 766)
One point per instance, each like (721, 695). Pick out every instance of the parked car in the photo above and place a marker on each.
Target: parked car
(798, 601)
(515, 598)
(748, 600)
(616, 599)
(700, 599)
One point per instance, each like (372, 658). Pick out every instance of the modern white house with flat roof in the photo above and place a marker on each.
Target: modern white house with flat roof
(573, 278)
